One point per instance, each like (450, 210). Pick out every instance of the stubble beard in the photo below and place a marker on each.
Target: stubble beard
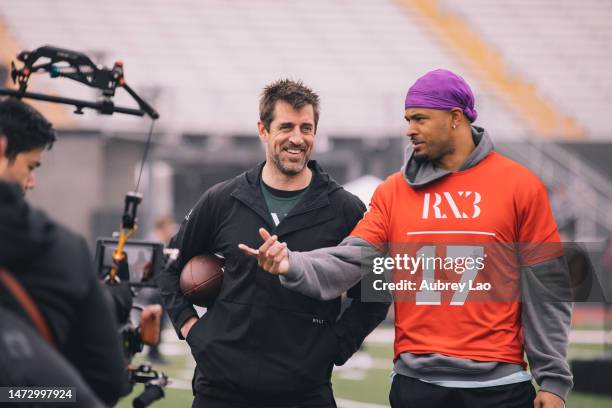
(292, 171)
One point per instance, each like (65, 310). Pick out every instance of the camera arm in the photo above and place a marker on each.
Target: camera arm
(79, 67)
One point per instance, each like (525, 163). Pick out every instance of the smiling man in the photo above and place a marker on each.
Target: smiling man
(28, 136)
(261, 345)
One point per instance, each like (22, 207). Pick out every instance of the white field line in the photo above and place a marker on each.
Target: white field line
(344, 403)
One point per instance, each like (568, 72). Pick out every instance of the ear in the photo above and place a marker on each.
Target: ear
(263, 133)
(457, 117)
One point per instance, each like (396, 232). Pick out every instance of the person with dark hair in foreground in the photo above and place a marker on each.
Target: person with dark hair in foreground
(53, 266)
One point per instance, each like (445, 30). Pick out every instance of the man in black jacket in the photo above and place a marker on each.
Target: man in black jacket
(51, 263)
(261, 345)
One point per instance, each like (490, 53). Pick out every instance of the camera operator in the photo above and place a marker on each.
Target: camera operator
(51, 263)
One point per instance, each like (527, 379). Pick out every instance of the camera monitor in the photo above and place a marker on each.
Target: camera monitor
(144, 260)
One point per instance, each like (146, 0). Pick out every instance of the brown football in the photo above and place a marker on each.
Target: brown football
(201, 279)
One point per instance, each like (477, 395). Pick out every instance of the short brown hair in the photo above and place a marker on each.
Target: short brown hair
(295, 93)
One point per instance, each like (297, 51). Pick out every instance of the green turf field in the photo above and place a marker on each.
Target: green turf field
(370, 385)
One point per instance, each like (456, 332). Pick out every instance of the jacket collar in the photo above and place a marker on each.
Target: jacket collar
(248, 191)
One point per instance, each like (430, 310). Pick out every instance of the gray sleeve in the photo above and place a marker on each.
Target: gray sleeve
(326, 273)
(546, 318)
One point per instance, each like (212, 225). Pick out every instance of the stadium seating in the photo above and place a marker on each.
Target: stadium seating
(565, 47)
(210, 60)
(202, 64)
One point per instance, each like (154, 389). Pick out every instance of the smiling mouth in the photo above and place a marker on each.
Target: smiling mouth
(294, 151)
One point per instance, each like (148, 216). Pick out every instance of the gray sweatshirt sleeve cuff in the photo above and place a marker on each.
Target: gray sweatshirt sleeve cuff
(295, 273)
(557, 387)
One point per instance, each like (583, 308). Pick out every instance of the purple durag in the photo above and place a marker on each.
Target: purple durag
(442, 89)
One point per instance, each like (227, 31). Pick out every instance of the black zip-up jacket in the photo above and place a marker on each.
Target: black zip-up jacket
(54, 267)
(260, 341)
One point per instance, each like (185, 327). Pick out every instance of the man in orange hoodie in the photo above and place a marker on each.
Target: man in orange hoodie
(459, 337)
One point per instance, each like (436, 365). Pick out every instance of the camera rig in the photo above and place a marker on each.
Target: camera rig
(74, 65)
(62, 63)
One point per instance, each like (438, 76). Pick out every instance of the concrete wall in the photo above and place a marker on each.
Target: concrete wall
(86, 174)
(68, 185)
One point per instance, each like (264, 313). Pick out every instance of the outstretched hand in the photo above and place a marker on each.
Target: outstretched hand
(272, 256)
